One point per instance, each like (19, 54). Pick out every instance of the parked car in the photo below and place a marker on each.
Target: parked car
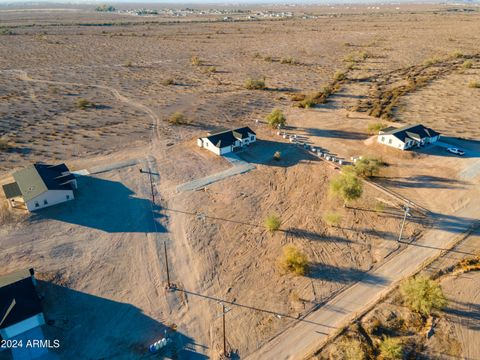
(456, 151)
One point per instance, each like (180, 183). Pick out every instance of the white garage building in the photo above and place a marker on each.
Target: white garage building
(39, 186)
(227, 141)
(407, 137)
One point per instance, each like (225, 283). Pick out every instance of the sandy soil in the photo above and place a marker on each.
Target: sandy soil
(103, 253)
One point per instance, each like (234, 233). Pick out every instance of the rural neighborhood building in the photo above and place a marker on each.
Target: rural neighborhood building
(407, 137)
(20, 308)
(227, 141)
(39, 186)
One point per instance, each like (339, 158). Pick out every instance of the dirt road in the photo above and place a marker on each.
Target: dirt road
(304, 338)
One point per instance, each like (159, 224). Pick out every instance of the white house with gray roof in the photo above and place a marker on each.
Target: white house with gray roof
(40, 185)
(227, 141)
(407, 137)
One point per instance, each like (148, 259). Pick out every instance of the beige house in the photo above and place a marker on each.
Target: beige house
(39, 186)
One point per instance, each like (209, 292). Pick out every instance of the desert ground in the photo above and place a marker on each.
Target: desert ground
(100, 259)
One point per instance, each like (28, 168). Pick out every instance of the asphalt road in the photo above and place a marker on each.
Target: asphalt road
(304, 338)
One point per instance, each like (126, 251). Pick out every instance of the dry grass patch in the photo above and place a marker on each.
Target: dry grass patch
(255, 84)
(293, 261)
(272, 223)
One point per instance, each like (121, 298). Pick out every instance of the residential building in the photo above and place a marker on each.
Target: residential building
(227, 141)
(408, 137)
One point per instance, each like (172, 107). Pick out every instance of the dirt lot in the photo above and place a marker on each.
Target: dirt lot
(102, 254)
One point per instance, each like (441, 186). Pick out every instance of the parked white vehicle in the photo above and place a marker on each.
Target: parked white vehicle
(456, 151)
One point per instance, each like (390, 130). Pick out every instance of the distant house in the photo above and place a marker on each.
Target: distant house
(20, 308)
(407, 137)
(39, 186)
(227, 141)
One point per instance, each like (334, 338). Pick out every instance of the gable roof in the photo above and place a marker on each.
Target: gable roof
(412, 132)
(39, 178)
(227, 138)
(18, 298)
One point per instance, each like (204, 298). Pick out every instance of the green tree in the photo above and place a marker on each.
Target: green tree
(275, 118)
(272, 222)
(346, 186)
(391, 348)
(368, 166)
(293, 260)
(422, 295)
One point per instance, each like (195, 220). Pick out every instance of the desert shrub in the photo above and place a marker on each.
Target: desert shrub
(268, 58)
(327, 90)
(6, 31)
(298, 97)
(306, 103)
(346, 186)
(128, 63)
(474, 84)
(422, 295)
(332, 218)
(195, 60)
(276, 118)
(432, 61)
(351, 349)
(4, 144)
(277, 156)
(379, 207)
(339, 76)
(212, 69)
(374, 128)
(272, 222)
(177, 118)
(456, 54)
(368, 166)
(84, 104)
(255, 84)
(293, 260)
(467, 64)
(288, 60)
(168, 81)
(391, 348)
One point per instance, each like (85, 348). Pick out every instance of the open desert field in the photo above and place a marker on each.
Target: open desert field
(99, 91)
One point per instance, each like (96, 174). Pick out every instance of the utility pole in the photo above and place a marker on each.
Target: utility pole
(224, 311)
(407, 209)
(169, 285)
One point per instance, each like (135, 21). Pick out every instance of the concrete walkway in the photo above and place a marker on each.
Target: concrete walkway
(304, 338)
(239, 167)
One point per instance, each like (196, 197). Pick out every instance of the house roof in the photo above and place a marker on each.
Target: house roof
(228, 137)
(39, 178)
(11, 190)
(414, 132)
(18, 298)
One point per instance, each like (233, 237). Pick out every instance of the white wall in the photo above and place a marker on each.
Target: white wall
(391, 140)
(22, 326)
(52, 197)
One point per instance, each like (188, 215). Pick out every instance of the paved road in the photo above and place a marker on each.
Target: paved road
(239, 167)
(304, 338)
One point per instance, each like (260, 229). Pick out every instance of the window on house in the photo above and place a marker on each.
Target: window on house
(68, 197)
(45, 202)
(389, 141)
(37, 204)
(383, 138)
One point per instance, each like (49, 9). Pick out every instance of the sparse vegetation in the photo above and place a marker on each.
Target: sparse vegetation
(276, 118)
(272, 222)
(195, 61)
(4, 144)
(391, 348)
(351, 349)
(105, 8)
(332, 218)
(346, 186)
(374, 128)
(6, 31)
(339, 76)
(255, 84)
(467, 64)
(128, 63)
(422, 295)
(212, 69)
(432, 61)
(456, 54)
(277, 156)
(293, 260)
(177, 118)
(84, 104)
(368, 166)
(379, 207)
(168, 81)
(474, 84)
(288, 60)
